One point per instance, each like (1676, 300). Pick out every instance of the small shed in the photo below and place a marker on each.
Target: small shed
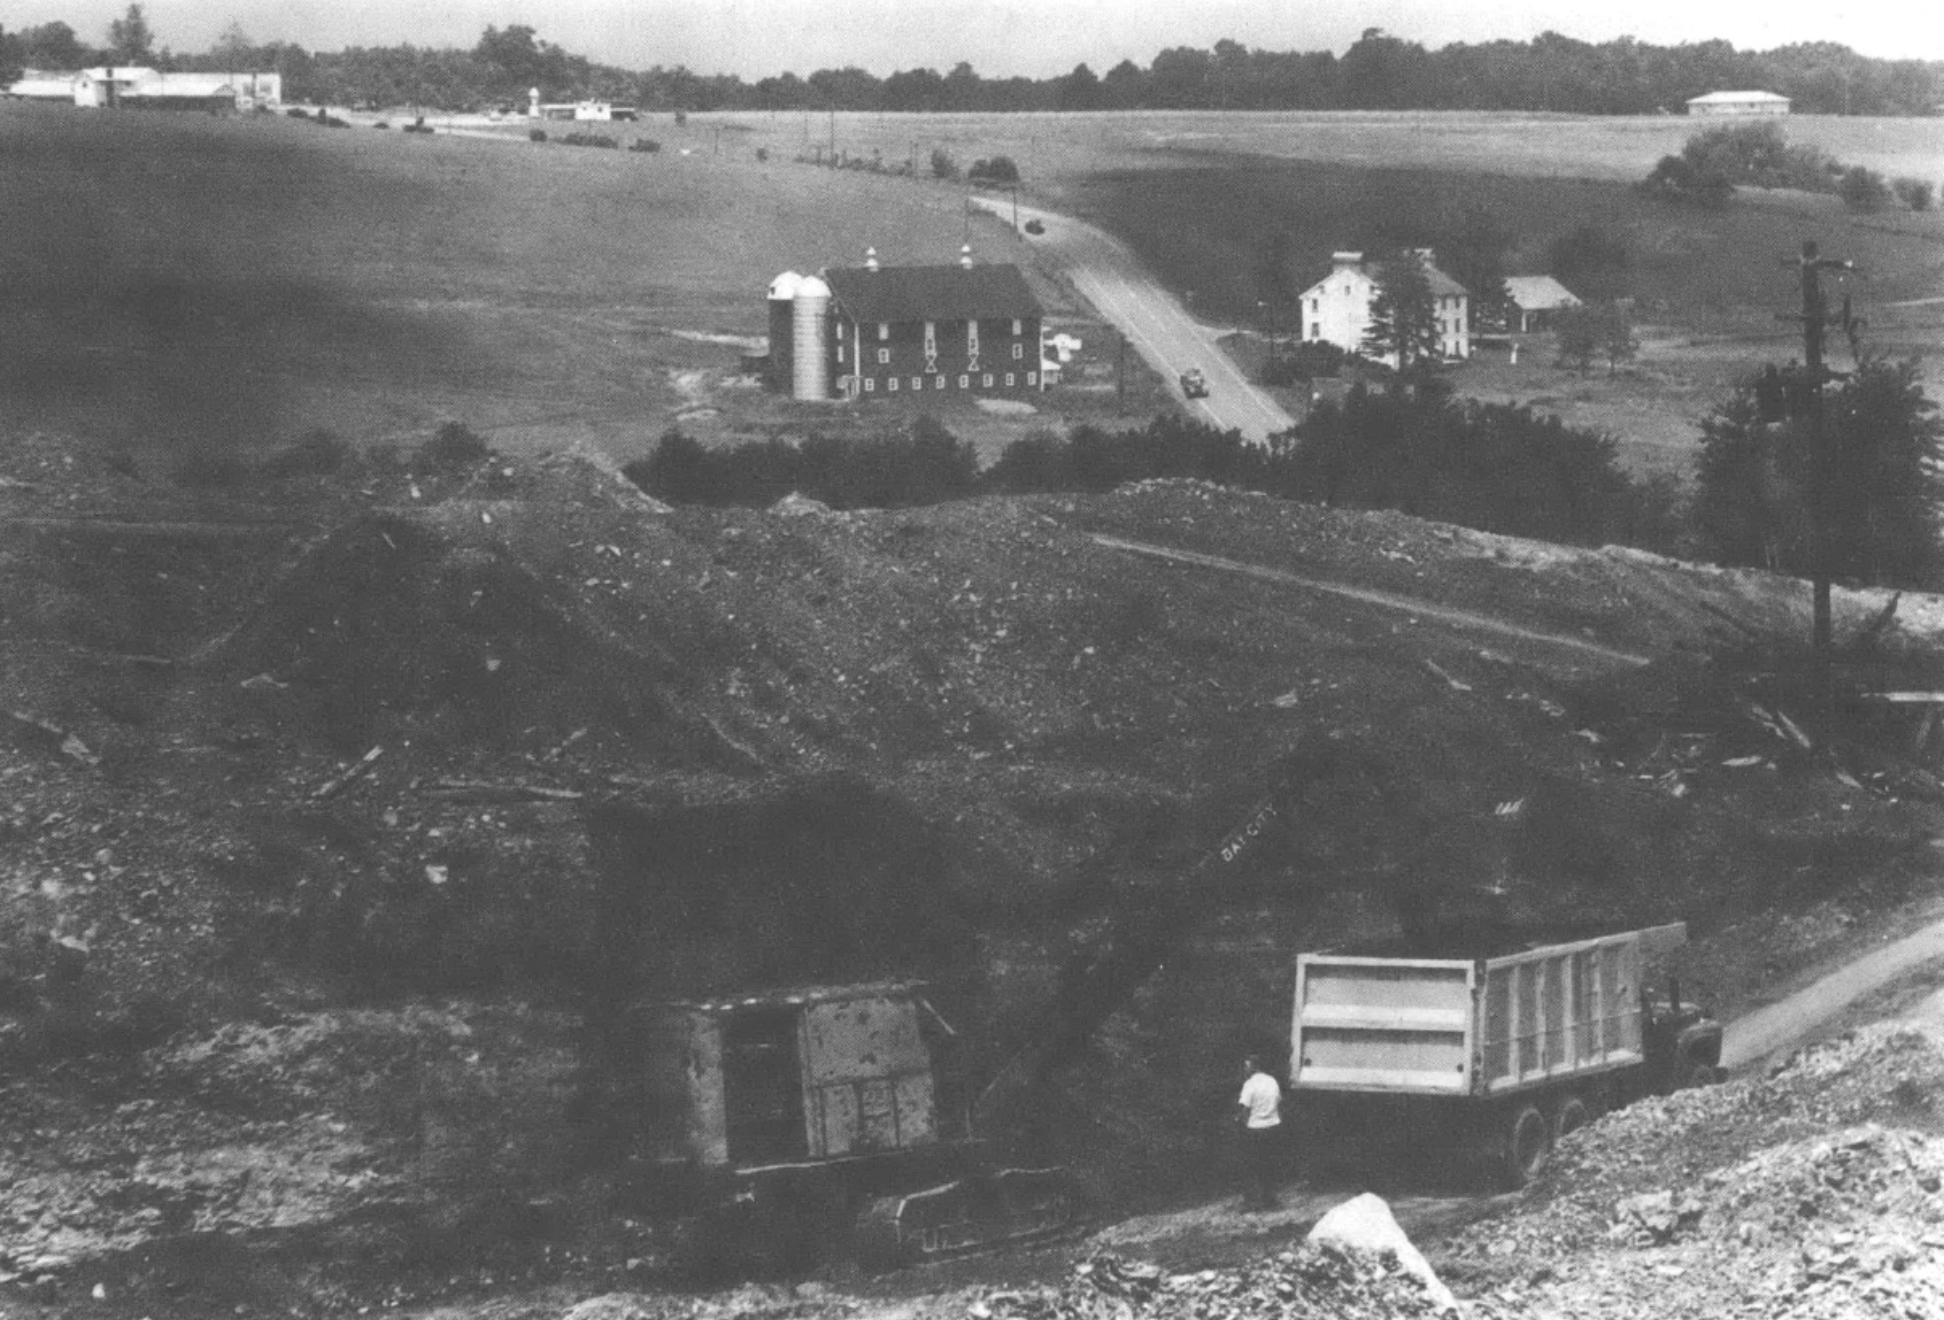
(1738, 103)
(1536, 299)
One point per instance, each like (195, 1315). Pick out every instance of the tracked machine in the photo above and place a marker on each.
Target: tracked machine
(824, 1123)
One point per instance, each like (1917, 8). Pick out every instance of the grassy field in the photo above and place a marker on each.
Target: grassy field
(241, 281)
(237, 282)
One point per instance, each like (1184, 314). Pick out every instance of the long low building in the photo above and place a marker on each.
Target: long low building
(1738, 103)
(138, 86)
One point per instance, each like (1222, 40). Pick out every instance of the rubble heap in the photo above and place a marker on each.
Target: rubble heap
(1803, 1194)
(1312, 1280)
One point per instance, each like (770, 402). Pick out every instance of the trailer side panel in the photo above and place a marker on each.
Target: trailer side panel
(1560, 1012)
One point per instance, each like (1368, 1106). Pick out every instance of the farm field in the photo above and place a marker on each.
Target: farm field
(238, 283)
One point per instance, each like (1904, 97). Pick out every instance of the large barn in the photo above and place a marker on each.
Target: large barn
(874, 331)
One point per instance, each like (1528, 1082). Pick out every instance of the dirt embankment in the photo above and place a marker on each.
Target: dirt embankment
(468, 724)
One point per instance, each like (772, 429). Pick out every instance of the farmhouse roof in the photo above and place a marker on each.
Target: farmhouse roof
(932, 293)
(1442, 285)
(1539, 293)
(1729, 98)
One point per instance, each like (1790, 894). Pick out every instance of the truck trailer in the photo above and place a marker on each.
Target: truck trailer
(1494, 1057)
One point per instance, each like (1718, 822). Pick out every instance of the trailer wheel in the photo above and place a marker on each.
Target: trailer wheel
(1698, 1073)
(1528, 1145)
(1573, 1115)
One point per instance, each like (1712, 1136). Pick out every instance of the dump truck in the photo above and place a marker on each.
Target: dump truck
(1496, 1057)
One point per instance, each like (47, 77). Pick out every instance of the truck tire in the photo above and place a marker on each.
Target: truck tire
(1572, 1116)
(1528, 1146)
(1697, 1073)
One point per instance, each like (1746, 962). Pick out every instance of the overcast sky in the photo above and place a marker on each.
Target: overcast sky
(1037, 38)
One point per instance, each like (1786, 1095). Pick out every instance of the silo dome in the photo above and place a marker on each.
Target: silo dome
(784, 287)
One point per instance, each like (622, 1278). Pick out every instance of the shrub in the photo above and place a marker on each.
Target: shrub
(317, 453)
(536, 135)
(1863, 189)
(762, 153)
(942, 164)
(589, 140)
(381, 124)
(1000, 169)
(296, 112)
(1678, 179)
(644, 144)
(1914, 193)
(453, 447)
(1303, 361)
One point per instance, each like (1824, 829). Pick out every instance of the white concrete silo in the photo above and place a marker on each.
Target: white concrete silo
(782, 300)
(810, 347)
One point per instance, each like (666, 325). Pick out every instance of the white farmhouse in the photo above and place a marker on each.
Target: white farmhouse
(1336, 310)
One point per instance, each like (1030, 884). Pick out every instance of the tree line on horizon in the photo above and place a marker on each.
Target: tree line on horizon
(1379, 71)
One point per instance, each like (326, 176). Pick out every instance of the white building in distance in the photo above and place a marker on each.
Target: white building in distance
(1738, 103)
(136, 86)
(1537, 299)
(1336, 309)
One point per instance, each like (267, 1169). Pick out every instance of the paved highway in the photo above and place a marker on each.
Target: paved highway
(1160, 329)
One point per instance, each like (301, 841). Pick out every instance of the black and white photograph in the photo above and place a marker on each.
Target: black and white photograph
(1023, 660)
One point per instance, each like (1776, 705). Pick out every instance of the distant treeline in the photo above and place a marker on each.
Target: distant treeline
(1379, 72)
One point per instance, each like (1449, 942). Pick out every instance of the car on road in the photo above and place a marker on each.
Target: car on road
(1194, 384)
(1035, 227)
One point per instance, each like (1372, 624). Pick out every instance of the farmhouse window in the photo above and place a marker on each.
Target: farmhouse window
(1316, 330)
(965, 382)
(987, 380)
(1019, 351)
(1316, 306)
(884, 330)
(884, 356)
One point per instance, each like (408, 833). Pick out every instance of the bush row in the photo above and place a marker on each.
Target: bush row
(1714, 162)
(1495, 467)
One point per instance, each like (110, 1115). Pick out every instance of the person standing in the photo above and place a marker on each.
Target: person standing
(1260, 1118)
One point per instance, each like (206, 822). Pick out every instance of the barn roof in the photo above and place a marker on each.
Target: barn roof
(932, 293)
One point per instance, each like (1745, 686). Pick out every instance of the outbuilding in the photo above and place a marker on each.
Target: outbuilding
(1738, 103)
(1536, 299)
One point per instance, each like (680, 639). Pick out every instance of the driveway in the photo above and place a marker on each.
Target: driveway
(1108, 275)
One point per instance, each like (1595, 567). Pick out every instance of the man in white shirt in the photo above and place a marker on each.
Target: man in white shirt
(1260, 1117)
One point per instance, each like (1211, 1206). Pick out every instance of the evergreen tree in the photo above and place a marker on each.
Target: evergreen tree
(129, 37)
(1753, 505)
(1403, 313)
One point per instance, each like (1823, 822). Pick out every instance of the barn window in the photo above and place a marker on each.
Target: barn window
(892, 385)
(1032, 377)
(1017, 326)
(884, 356)
(870, 384)
(1019, 351)
(917, 382)
(884, 330)
(965, 382)
(987, 379)
(1009, 380)
(938, 382)
(840, 350)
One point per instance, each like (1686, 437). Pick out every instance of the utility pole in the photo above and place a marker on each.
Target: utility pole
(1822, 458)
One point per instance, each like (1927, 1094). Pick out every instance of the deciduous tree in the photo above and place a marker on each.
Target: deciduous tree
(130, 37)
